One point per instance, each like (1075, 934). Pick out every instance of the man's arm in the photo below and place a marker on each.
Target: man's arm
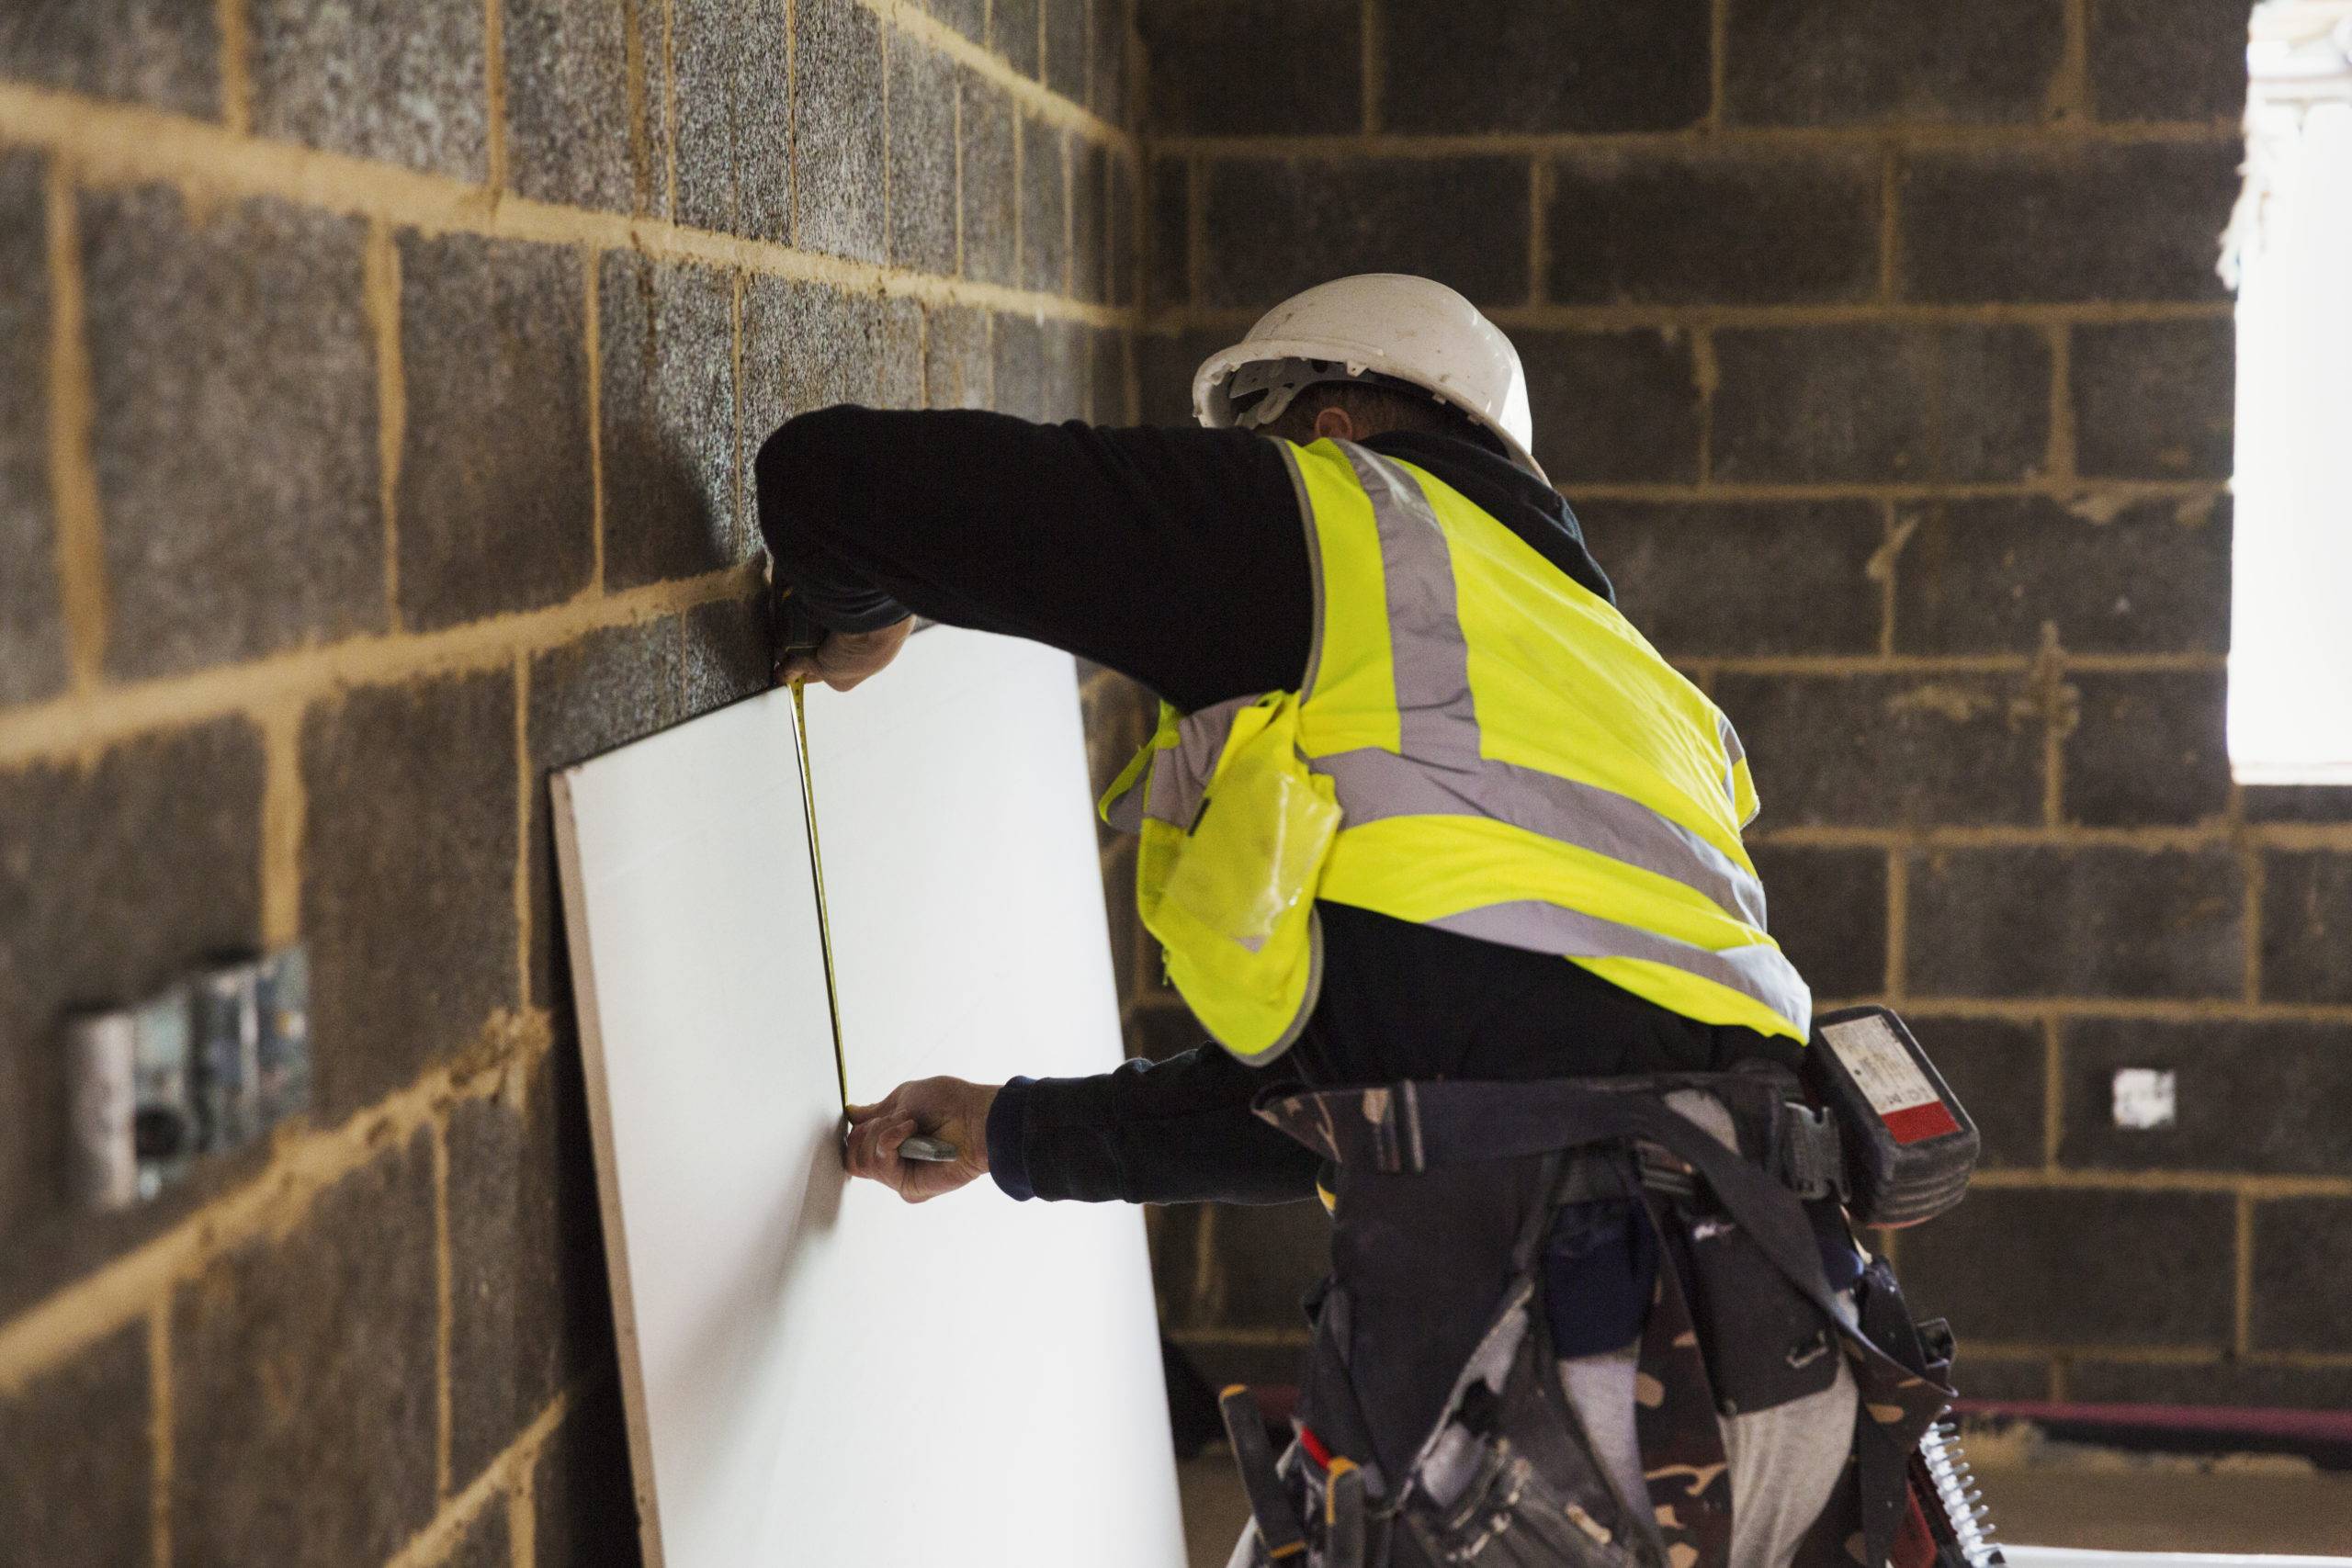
(1176, 557)
(1174, 1132)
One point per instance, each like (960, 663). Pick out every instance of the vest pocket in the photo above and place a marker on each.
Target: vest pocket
(1255, 852)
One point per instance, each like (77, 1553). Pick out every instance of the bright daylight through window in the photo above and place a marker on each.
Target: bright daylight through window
(2288, 254)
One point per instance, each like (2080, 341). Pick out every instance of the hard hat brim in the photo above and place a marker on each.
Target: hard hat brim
(1214, 408)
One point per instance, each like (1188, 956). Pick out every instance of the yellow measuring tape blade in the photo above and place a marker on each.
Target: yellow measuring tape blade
(817, 874)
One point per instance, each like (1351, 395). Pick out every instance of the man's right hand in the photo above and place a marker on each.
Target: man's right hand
(952, 1109)
(842, 659)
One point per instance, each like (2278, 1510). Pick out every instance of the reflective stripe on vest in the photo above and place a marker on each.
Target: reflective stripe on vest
(1441, 772)
(1435, 830)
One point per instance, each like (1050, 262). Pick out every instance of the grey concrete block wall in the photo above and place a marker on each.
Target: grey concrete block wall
(33, 627)
(377, 386)
(242, 482)
(1882, 354)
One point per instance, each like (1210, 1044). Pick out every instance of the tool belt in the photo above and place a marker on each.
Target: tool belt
(1432, 1426)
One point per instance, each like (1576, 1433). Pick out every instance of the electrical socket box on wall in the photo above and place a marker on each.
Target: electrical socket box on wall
(206, 1064)
(2146, 1097)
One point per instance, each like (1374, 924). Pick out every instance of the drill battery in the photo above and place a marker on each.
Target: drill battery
(1907, 1146)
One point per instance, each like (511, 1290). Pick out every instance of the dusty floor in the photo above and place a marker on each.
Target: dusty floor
(2041, 1495)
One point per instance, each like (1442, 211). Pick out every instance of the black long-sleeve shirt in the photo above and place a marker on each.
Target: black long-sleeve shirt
(1179, 557)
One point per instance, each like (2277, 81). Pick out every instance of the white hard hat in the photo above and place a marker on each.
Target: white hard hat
(1408, 328)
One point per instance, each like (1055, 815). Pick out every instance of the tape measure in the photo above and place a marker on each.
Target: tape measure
(799, 634)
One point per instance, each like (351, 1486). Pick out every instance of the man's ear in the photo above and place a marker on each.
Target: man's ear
(1331, 423)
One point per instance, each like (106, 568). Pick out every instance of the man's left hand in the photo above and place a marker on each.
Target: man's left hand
(942, 1106)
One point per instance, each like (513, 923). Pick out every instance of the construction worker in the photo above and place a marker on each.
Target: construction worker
(1447, 860)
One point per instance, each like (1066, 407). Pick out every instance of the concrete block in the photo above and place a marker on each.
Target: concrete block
(1996, 1067)
(2296, 803)
(599, 691)
(1300, 75)
(1168, 361)
(117, 877)
(1612, 407)
(497, 506)
(585, 1504)
(726, 653)
(1123, 279)
(1813, 404)
(701, 81)
(1742, 579)
(2147, 749)
(1750, 226)
(1826, 907)
(1986, 576)
(569, 137)
(2306, 912)
(2064, 1268)
(1069, 371)
(1090, 210)
(956, 358)
(233, 380)
(1928, 749)
(804, 346)
(1867, 62)
(32, 625)
(2265, 1098)
(923, 158)
(2167, 60)
(1108, 91)
(75, 1489)
(991, 192)
(1045, 207)
(488, 1540)
(899, 355)
(730, 79)
(1583, 65)
(403, 81)
(1167, 224)
(667, 421)
(528, 1307)
(969, 18)
(2302, 1267)
(1018, 380)
(1067, 48)
(2154, 400)
(837, 119)
(1284, 224)
(2245, 1384)
(408, 878)
(1015, 31)
(162, 53)
(2094, 220)
(312, 1355)
(2099, 920)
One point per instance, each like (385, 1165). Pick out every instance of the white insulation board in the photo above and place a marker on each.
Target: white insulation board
(815, 1373)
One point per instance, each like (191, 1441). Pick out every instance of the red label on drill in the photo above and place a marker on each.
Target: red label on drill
(1919, 1123)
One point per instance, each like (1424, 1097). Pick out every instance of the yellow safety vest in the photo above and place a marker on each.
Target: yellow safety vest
(1480, 744)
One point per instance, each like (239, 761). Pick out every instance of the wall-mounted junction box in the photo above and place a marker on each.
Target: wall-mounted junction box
(208, 1064)
(2146, 1097)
